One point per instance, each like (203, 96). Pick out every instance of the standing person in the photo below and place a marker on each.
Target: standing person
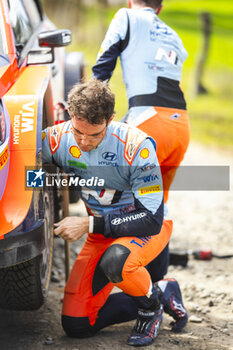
(126, 225)
(152, 56)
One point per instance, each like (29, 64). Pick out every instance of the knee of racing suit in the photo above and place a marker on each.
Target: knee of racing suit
(78, 327)
(112, 262)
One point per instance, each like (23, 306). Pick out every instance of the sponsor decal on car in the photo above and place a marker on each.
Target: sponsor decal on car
(4, 156)
(149, 189)
(23, 121)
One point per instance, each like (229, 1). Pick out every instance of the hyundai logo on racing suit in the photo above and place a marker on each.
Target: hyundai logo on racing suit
(110, 156)
(118, 221)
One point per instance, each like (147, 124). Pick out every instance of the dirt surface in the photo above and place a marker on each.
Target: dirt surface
(202, 220)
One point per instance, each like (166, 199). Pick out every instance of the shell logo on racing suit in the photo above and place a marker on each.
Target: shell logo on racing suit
(75, 151)
(144, 153)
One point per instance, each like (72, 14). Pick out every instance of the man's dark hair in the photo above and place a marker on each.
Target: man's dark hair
(152, 3)
(92, 101)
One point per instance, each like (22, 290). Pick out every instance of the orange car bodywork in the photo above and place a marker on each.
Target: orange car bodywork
(11, 71)
(35, 77)
(25, 110)
(22, 90)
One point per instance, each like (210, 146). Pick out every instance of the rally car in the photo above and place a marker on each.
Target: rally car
(35, 76)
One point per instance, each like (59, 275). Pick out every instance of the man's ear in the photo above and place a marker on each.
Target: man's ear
(159, 9)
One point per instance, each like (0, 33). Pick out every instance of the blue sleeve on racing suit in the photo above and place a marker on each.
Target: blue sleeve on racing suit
(146, 182)
(116, 39)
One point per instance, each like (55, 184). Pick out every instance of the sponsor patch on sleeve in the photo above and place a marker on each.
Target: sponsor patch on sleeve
(149, 189)
(144, 153)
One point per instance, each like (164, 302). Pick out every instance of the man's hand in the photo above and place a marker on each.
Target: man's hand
(72, 228)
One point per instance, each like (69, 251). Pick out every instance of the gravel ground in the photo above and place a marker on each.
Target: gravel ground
(202, 220)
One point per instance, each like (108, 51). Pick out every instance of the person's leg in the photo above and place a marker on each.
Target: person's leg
(87, 305)
(132, 276)
(158, 267)
(124, 264)
(121, 307)
(171, 130)
(87, 289)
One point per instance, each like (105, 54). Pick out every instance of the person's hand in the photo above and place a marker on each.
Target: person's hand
(72, 228)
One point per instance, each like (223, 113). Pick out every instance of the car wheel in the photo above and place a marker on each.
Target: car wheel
(25, 285)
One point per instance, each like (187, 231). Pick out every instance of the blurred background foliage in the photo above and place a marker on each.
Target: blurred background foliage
(211, 112)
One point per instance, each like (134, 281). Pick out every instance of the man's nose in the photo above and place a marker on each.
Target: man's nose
(84, 140)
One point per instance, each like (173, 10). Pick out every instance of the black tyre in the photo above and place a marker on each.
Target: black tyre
(25, 286)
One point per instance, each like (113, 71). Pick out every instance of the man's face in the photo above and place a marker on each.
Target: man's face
(88, 136)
